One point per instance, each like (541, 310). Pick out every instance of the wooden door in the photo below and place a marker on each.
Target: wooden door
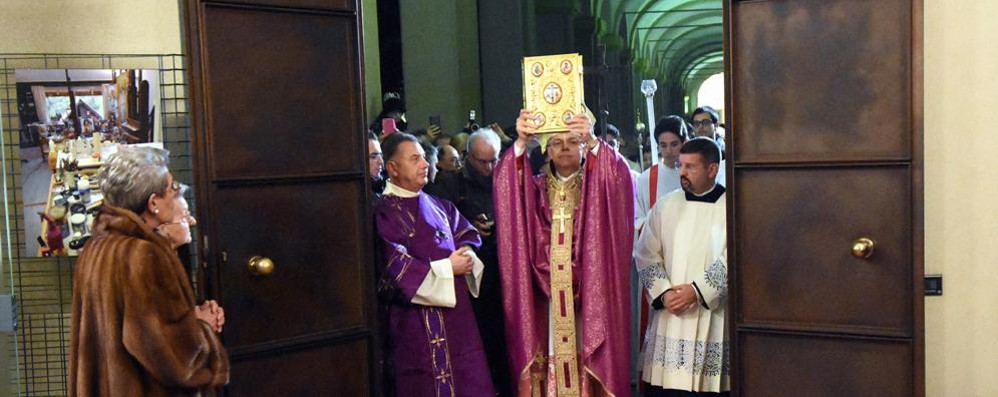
(277, 106)
(825, 108)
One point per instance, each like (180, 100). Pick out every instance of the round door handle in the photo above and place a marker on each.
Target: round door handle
(862, 248)
(261, 265)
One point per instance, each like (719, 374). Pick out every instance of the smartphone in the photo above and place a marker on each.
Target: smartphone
(435, 120)
(388, 126)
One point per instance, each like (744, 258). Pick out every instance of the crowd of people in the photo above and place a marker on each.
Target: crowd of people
(505, 272)
(507, 259)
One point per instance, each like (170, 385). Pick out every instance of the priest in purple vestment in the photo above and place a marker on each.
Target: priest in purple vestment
(431, 273)
(565, 240)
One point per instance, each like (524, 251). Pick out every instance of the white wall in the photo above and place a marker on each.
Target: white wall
(961, 181)
(90, 27)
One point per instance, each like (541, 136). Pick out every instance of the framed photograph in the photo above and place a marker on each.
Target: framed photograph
(72, 119)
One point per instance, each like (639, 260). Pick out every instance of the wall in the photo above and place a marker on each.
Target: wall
(440, 62)
(90, 27)
(961, 222)
(503, 45)
(372, 59)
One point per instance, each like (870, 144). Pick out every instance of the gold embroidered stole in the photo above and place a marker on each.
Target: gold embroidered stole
(563, 198)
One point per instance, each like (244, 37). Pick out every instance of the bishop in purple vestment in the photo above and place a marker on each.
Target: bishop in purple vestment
(565, 242)
(431, 273)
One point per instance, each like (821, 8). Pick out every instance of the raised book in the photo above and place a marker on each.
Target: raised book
(552, 90)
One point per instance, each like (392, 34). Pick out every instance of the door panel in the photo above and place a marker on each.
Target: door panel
(280, 84)
(802, 266)
(825, 126)
(822, 80)
(282, 375)
(315, 259)
(277, 107)
(793, 366)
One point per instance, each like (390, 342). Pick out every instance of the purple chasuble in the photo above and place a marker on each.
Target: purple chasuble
(601, 260)
(435, 351)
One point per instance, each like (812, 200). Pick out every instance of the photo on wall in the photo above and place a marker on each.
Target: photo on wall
(71, 121)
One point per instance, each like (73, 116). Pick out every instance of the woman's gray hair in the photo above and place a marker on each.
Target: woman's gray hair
(133, 174)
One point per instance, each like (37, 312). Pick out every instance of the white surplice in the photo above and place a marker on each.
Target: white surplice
(684, 241)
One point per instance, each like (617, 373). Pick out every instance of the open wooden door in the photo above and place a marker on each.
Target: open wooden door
(825, 100)
(277, 107)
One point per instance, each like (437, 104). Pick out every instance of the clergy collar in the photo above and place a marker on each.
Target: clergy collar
(710, 196)
(392, 189)
(566, 178)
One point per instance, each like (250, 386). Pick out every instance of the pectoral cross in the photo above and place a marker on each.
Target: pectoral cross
(561, 217)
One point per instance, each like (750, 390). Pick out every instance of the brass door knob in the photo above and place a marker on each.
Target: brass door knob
(862, 248)
(261, 265)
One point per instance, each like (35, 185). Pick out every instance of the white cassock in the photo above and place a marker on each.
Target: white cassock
(668, 180)
(684, 241)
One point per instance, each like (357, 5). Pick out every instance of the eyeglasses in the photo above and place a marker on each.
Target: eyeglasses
(559, 144)
(491, 162)
(703, 123)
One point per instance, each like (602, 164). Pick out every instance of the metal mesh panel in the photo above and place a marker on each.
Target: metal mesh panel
(43, 286)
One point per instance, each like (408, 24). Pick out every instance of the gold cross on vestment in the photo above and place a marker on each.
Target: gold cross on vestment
(561, 217)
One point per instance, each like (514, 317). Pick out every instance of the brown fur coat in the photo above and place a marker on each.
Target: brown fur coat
(134, 332)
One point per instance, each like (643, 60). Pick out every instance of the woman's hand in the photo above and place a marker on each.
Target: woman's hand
(211, 313)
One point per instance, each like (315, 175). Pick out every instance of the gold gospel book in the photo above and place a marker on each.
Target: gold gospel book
(552, 90)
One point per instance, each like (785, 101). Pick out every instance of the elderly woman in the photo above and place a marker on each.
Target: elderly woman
(135, 328)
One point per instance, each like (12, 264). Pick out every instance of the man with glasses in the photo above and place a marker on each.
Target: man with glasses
(470, 189)
(705, 121)
(565, 240)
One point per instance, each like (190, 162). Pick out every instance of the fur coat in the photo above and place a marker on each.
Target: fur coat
(134, 332)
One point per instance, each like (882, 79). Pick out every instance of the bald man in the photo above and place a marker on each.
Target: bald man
(450, 160)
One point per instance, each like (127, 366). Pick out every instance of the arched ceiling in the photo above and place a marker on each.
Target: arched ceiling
(676, 40)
